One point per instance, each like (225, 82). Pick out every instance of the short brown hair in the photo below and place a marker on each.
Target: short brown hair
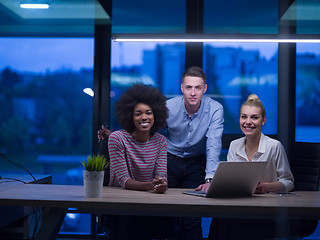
(194, 71)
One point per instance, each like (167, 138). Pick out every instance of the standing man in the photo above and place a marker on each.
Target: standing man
(194, 130)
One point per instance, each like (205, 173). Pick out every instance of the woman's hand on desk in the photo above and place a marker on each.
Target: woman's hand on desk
(265, 187)
(261, 188)
(160, 185)
(203, 187)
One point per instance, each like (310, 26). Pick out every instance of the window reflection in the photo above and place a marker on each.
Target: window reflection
(233, 72)
(236, 70)
(157, 64)
(308, 93)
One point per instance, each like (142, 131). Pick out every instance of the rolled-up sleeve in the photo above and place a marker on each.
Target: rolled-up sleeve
(283, 168)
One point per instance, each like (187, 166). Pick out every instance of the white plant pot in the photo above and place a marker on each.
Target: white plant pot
(93, 183)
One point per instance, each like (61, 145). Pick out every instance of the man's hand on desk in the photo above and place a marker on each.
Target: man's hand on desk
(203, 187)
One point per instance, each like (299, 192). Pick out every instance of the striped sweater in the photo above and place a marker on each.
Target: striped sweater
(136, 160)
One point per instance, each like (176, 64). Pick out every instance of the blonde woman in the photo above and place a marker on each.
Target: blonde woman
(255, 146)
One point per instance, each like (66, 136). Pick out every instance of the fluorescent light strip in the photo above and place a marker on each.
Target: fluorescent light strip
(34, 6)
(216, 40)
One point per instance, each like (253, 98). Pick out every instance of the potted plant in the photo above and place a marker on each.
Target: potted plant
(93, 175)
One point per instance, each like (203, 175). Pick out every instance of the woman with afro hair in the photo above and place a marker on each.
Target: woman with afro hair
(138, 157)
(138, 153)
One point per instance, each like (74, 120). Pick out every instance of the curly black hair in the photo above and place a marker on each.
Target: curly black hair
(146, 94)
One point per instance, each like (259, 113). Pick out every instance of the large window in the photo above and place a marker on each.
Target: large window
(156, 64)
(308, 93)
(46, 118)
(235, 71)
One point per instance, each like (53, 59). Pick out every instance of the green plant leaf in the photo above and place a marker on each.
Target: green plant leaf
(95, 163)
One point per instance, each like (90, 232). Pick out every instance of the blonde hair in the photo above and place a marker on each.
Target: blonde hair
(253, 100)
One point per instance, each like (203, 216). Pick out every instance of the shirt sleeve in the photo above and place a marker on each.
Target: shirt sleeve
(118, 164)
(161, 163)
(283, 168)
(214, 143)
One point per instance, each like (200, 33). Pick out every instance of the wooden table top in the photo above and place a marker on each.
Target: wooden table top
(173, 203)
(12, 180)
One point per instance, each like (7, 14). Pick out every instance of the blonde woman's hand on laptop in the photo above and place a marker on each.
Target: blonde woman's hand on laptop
(261, 188)
(203, 187)
(265, 187)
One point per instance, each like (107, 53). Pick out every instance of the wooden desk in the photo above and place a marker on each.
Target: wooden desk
(7, 180)
(58, 198)
(14, 220)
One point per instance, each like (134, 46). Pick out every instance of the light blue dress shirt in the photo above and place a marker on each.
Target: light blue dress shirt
(191, 136)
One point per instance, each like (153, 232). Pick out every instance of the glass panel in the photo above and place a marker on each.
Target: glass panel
(62, 18)
(245, 16)
(46, 118)
(305, 15)
(157, 64)
(145, 16)
(234, 71)
(308, 93)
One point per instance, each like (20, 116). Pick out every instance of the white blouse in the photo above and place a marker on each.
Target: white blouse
(270, 150)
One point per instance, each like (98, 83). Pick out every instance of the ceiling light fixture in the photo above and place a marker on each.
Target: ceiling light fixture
(216, 38)
(34, 6)
(220, 40)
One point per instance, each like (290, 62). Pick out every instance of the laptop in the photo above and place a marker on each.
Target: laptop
(233, 179)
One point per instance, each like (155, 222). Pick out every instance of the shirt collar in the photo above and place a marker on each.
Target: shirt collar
(196, 113)
(262, 144)
(241, 151)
